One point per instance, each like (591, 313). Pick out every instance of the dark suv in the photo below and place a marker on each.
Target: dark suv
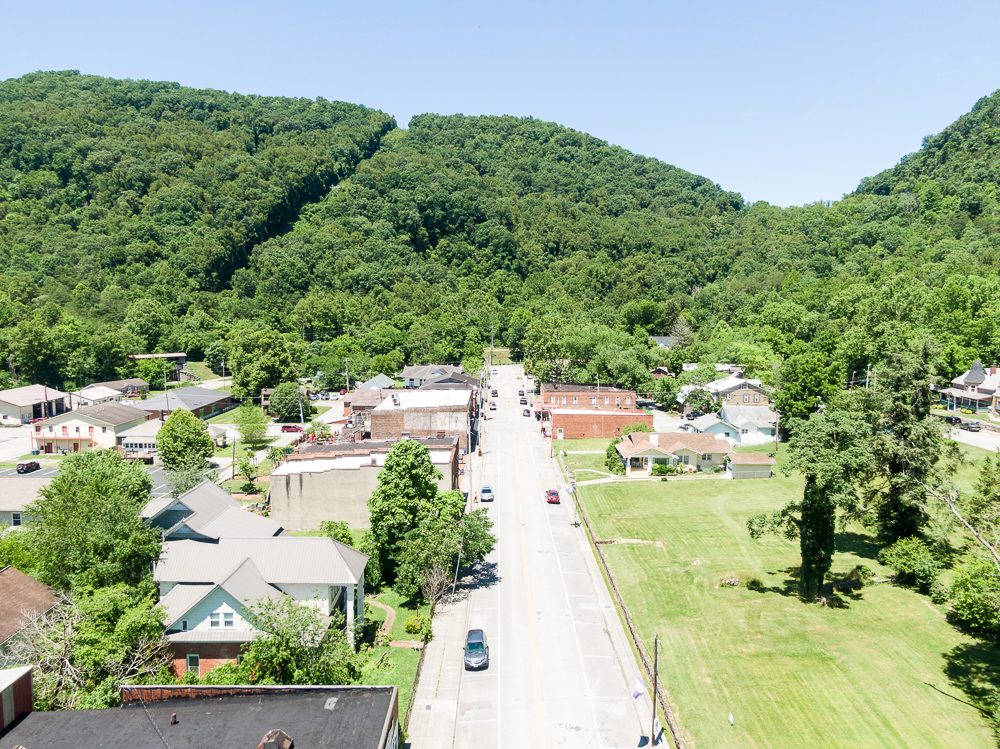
(952, 420)
(477, 651)
(27, 466)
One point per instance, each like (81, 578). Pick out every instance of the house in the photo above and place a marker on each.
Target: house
(265, 397)
(415, 376)
(751, 425)
(140, 442)
(659, 372)
(22, 600)
(93, 395)
(363, 401)
(130, 388)
(749, 465)
(976, 390)
(87, 428)
(732, 390)
(580, 423)
(30, 402)
(576, 395)
(333, 481)
(207, 513)
(640, 451)
(665, 341)
(202, 402)
(16, 492)
(378, 382)
(454, 381)
(176, 360)
(205, 589)
(426, 413)
(176, 715)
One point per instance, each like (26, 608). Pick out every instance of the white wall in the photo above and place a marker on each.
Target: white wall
(220, 602)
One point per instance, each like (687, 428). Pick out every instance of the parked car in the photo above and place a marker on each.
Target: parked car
(323, 395)
(526, 412)
(343, 392)
(494, 370)
(494, 393)
(952, 420)
(493, 406)
(524, 401)
(35, 421)
(291, 428)
(486, 495)
(552, 496)
(477, 651)
(693, 415)
(314, 396)
(520, 392)
(27, 466)
(971, 426)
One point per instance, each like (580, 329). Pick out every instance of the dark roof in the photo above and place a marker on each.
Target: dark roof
(345, 717)
(188, 398)
(576, 387)
(975, 375)
(22, 598)
(113, 412)
(120, 385)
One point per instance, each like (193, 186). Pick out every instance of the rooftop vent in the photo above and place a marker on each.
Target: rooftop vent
(276, 739)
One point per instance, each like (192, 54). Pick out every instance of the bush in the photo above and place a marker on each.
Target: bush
(912, 561)
(939, 592)
(975, 594)
(861, 574)
(338, 530)
(416, 624)
(659, 469)
(612, 460)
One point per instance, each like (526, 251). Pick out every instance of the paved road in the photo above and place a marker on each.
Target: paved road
(560, 669)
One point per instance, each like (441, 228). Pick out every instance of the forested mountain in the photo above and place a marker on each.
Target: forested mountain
(139, 216)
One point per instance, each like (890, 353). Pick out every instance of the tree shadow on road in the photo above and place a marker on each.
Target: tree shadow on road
(477, 577)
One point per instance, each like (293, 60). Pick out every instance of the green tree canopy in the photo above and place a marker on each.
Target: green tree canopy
(183, 440)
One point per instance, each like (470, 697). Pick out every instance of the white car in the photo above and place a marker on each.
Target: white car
(486, 495)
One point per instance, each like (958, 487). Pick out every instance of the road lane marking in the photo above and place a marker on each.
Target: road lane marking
(569, 605)
(527, 593)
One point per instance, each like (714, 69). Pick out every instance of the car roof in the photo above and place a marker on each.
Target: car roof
(487, 488)
(475, 635)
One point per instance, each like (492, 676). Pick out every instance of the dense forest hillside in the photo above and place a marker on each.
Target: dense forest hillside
(139, 216)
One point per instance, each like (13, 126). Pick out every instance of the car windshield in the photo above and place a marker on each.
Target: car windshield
(476, 647)
(487, 490)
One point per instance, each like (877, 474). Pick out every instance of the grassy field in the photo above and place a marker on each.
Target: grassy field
(202, 370)
(587, 466)
(594, 443)
(226, 417)
(241, 448)
(883, 670)
(399, 667)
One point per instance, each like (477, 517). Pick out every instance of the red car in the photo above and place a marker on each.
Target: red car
(291, 428)
(552, 497)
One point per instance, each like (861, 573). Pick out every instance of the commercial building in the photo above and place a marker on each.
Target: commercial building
(426, 413)
(266, 717)
(333, 481)
(202, 402)
(575, 395)
(24, 404)
(87, 428)
(578, 423)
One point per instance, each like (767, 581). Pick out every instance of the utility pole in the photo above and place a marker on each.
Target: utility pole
(301, 417)
(777, 418)
(347, 373)
(492, 330)
(598, 391)
(223, 373)
(656, 686)
(867, 373)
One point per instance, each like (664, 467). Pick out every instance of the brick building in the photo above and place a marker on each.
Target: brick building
(575, 395)
(427, 413)
(577, 423)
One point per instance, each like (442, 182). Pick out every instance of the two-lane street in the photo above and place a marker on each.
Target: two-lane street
(560, 672)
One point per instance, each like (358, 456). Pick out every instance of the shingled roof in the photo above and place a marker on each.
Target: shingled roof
(22, 599)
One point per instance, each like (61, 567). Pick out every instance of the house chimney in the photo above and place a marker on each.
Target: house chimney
(276, 739)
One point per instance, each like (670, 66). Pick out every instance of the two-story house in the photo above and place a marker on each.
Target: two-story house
(976, 389)
(734, 390)
(87, 428)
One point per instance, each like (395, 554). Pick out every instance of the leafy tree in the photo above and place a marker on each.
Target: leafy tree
(187, 476)
(183, 439)
(338, 530)
(612, 460)
(805, 382)
(912, 561)
(287, 402)
(247, 468)
(251, 424)
(259, 359)
(975, 597)
(86, 528)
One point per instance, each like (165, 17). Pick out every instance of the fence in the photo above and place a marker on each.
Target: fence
(662, 697)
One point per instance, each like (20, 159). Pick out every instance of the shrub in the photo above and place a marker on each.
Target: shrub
(912, 561)
(659, 469)
(415, 624)
(939, 592)
(670, 470)
(861, 574)
(612, 459)
(975, 594)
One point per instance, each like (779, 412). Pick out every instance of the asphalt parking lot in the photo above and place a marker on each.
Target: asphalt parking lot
(160, 486)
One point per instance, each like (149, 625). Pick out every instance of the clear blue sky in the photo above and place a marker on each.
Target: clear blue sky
(789, 102)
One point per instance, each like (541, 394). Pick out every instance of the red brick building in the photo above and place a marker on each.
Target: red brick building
(575, 395)
(573, 424)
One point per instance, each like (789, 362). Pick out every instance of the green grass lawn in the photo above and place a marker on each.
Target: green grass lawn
(356, 534)
(884, 670)
(226, 417)
(588, 466)
(241, 448)
(202, 370)
(593, 443)
(399, 667)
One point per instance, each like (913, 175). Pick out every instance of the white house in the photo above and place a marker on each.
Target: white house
(378, 382)
(750, 425)
(93, 395)
(415, 376)
(15, 493)
(87, 428)
(640, 451)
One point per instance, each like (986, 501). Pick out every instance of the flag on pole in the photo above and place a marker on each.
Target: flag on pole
(639, 688)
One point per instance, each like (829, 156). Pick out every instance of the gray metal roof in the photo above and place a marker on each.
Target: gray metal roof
(113, 413)
(206, 498)
(243, 582)
(17, 491)
(282, 560)
(189, 398)
(377, 382)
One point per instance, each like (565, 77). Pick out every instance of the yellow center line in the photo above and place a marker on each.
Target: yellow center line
(527, 594)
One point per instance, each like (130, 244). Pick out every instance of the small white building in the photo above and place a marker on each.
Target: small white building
(749, 465)
(93, 395)
(24, 404)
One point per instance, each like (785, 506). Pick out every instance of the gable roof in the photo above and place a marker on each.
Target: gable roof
(96, 392)
(454, 381)
(113, 413)
(22, 599)
(760, 416)
(751, 459)
(424, 371)
(214, 514)
(704, 422)
(16, 491)
(119, 385)
(377, 382)
(189, 398)
(282, 560)
(29, 395)
(669, 442)
(365, 398)
(243, 582)
(206, 498)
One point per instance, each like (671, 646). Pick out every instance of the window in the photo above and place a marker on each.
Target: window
(553, 399)
(227, 619)
(744, 430)
(104, 430)
(576, 400)
(593, 400)
(618, 400)
(685, 459)
(607, 400)
(15, 518)
(78, 430)
(194, 663)
(745, 386)
(213, 620)
(707, 457)
(628, 400)
(756, 397)
(563, 400)
(746, 398)
(184, 625)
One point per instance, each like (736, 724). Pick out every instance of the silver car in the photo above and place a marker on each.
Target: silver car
(477, 651)
(486, 495)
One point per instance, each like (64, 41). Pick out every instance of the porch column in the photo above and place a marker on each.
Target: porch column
(349, 591)
(361, 601)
